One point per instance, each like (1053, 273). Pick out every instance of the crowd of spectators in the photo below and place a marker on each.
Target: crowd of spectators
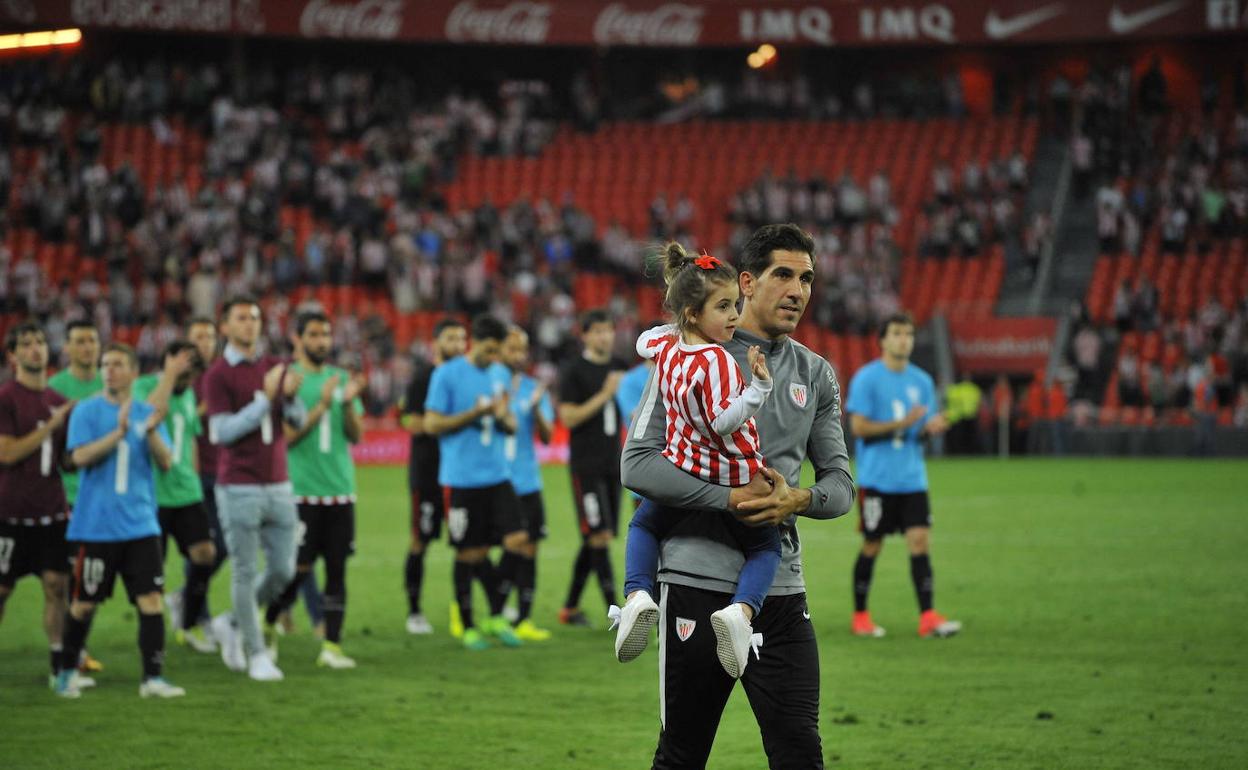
(976, 206)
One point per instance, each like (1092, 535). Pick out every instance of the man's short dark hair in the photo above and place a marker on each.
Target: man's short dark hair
(121, 347)
(487, 327)
(756, 255)
(596, 316)
(896, 318)
(309, 317)
(241, 299)
(449, 322)
(199, 320)
(15, 334)
(80, 323)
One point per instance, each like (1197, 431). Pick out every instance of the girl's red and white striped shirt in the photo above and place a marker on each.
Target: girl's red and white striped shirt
(710, 412)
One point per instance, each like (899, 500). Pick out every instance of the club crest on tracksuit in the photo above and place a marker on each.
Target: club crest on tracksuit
(797, 391)
(684, 628)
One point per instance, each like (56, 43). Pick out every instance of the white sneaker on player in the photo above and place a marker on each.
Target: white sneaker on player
(634, 620)
(419, 624)
(230, 642)
(77, 679)
(157, 687)
(332, 657)
(262, 669)
(732, 639)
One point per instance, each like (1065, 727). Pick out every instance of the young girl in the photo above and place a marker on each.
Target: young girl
(711, 435)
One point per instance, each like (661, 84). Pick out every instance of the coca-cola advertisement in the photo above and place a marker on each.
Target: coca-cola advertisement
(518, 22)
(654, 23)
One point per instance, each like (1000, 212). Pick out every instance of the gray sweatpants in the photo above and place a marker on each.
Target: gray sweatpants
(257, 516)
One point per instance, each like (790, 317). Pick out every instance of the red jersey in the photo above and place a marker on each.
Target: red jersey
(710, 413)
(30, 489)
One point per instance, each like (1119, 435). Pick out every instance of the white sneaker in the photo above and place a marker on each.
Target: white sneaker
(230, 642)
(157, 687)
(79, 680)
(173, 600)
(732, 639)
(261, 669)
(332, 657)
(635, 621)
(419, 624)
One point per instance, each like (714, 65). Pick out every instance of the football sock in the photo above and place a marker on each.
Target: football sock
(74, 638)
(461, 574)
(413, 578)
(921, 574)
(507, 574)
(606, 576)
(334, 601)
(54, 653)
(487, 575)
(580, 574)
(285, 600)
(862, 581)
(195, 593)
(152, 643)
(526, 582)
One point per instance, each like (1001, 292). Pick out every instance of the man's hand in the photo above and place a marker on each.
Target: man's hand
(355, 386)
(177, 365)
(290, 385)
(499, 406)
(612, 383)
(273, 378)
(327, 391)
(775, 508)
(123, 417)
(758, 488)
(937, 425)
(758, 364)
(59, 415)
(916, 413)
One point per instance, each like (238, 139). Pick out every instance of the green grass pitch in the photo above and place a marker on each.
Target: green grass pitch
(1105, 624)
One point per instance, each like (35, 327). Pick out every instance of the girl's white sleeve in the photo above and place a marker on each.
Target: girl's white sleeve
(651, 340)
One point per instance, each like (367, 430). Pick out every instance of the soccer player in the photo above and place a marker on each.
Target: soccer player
(535, 418)
(587, 388)
(892, 406)
(202, 333)
(322, 474)
(467, 409)
(33, 512)
(179, 496)
(450, 339)
(800, 421)
(79, 381)
(248, 395)
(116, 441)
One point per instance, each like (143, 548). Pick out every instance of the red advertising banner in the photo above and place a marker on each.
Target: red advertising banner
(382, 445)
(653, 22)
(1002, 345)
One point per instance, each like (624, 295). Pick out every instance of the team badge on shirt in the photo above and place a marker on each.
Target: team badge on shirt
(684, 628)
(797, 391)
(913, 394)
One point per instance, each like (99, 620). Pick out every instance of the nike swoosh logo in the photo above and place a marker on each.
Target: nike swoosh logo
(998, 28)
(806, 615)
(1125, 23)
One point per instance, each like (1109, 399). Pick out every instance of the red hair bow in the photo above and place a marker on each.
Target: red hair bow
(707, 262)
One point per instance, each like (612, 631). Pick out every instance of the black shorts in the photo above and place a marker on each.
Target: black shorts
(428, 510)
(209, 484)
(881, 513)
(96, 566)
(475, 517)
(187, 525)
(326, 531)
(597, 497)
(533, 516)
(32, 550)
